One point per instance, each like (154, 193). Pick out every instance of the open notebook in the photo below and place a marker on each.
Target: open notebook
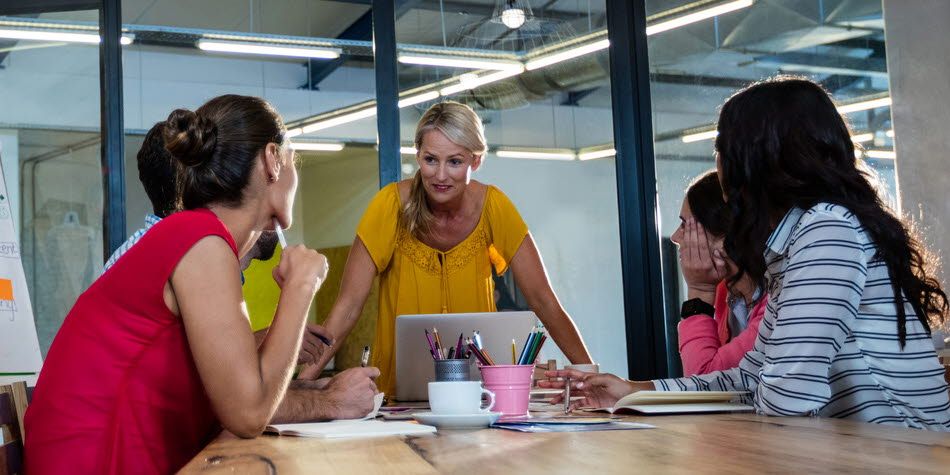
(679, 402)
(350, 428)
(365, 427)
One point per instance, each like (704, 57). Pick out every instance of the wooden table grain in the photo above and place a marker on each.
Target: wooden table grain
(680, 444)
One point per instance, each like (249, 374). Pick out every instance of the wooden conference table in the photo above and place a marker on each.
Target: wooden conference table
(721, 443)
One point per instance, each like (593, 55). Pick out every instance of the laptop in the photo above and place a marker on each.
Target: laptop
(414, 367)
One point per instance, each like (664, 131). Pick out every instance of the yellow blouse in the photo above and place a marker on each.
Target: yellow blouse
(415, 278)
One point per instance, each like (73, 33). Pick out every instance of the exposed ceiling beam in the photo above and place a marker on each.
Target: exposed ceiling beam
(20, 7)
(360, 30)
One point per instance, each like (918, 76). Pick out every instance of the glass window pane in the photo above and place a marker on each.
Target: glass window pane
(696, 66)
(176, 62)
(49, 143)
(549, 131)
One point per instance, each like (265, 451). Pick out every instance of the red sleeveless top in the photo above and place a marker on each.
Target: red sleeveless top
(119, 391)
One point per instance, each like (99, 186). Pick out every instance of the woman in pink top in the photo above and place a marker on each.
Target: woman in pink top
(720, 318)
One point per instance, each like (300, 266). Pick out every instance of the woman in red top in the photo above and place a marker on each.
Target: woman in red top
(720, 319)
(158, 352)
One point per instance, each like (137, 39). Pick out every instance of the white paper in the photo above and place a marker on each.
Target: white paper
(19, 347)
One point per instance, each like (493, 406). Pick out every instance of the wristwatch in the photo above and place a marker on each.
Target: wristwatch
(696, 306)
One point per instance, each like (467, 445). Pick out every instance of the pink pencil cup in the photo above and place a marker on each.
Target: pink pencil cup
(512, 387)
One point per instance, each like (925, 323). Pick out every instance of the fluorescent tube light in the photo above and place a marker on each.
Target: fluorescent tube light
(610, 152)
(567, 54)
(58, 36)
(698, 16)
(469, 82)
(293, 133)
(341, 119)
(317, 146)
(861, 138)
(296, 51)
(699, 136)
(882, 154)
(407, 150)
(537, 155)
(460, 62)
(418, 99)
(890, 133)
(864, 105)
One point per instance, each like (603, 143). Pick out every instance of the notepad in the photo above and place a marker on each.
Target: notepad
(678, 402)
(350, 429)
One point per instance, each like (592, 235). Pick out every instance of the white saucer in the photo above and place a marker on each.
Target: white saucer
(458, 421)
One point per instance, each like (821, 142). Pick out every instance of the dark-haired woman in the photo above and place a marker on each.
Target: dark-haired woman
(158, 353)
(435, 241)
(720, 318)
(846, 332)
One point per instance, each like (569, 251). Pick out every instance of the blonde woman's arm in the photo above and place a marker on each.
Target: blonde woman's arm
(532, 279)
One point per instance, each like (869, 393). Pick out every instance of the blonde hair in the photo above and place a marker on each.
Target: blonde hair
(461, 125)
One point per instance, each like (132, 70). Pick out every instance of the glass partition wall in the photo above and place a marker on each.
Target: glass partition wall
(537, 73)
(695, 67)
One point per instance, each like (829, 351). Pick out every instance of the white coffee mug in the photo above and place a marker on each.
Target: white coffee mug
(459, 397)
(584, 368)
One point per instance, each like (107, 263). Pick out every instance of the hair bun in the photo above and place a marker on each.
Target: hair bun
(190, 138)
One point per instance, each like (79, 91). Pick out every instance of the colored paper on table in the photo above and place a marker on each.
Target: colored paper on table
(6, 289)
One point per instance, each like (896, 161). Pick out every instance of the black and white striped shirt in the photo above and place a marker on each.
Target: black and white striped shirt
(827, 345)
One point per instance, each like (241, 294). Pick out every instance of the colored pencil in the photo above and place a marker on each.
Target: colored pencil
(527, 347)
(458, 346)
(451, 352)
(471, 346)
(488, 357)
(513, 361)
(438, 343)
(431, 346)
(478, 340)
(537, 350)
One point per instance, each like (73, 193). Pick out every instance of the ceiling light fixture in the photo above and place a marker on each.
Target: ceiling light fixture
(407, 150)
(861, 138)
(889, 133)
(461, 62)
(864, 105)
(471, 81)
(881, 154)
(317, 146)
(340, 119)
(700, 136)
(566, 54)
(268, 49)
(418, 99)
(58, 36)
(698, 16)
(536, 154)
(593, 155)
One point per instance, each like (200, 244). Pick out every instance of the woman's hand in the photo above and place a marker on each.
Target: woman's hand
(301, 268)
(598, 390)
(703, 267)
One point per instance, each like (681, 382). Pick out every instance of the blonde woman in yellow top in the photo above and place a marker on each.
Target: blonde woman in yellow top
(435, 240)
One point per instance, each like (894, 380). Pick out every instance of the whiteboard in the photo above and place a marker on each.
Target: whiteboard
(19, 347)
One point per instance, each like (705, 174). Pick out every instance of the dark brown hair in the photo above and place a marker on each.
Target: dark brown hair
(704, 197)
(157, 172)
(782, 143)
(216, 147)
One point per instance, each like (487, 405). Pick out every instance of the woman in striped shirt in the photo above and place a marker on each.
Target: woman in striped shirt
(834, 342)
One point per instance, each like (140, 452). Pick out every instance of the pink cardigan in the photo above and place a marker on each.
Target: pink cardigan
(704, 342)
